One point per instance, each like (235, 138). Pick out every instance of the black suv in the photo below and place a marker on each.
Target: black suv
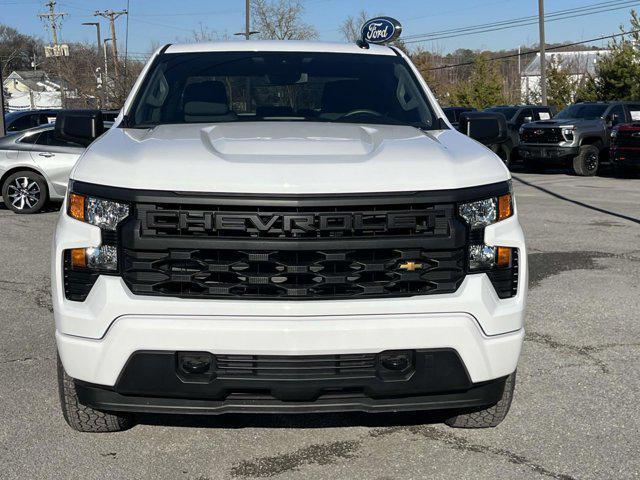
(517, 115)
(577, 137)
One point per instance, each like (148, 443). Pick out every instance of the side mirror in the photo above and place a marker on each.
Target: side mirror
(79, 126)
(485, 127)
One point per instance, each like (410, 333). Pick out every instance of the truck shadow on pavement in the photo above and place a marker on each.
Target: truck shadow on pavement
(577, 202)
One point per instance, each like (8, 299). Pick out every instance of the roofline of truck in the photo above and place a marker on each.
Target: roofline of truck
(278, 46)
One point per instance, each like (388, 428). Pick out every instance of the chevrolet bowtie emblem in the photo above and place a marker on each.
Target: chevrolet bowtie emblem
(411, 266)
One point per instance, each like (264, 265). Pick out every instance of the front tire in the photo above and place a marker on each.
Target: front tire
(586, 163)
(25, 192)
(486, 417)
(83, 418)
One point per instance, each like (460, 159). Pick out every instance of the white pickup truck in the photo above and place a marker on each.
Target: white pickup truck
(286, 227)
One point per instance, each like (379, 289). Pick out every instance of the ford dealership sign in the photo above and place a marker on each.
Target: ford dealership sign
(381, 30)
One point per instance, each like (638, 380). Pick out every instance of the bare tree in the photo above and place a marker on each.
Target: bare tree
(16, 49)
(350, 28)
(205, 34)
(281, 20)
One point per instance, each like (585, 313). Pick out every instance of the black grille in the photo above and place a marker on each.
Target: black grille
(338, 221)
(210, 245)
(295, 367)
(628, 138)
(308, 274)
(541, 135)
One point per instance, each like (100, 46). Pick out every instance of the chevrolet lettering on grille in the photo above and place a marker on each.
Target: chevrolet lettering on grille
(287, 223)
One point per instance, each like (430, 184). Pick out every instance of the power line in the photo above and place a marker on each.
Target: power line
(514, 23)
(583, 8)
(514, 55)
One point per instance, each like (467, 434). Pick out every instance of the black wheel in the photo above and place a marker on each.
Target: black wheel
(486, 417)
(83, 418)
(25, 192)
(587, 161)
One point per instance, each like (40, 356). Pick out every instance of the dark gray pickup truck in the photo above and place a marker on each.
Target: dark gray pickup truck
(577, 137)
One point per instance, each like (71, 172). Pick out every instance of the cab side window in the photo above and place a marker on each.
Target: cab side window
(542, 114)
(22, 123)
(30, 139)
(617, 114)
(634, 112)
(48, 138)
(525, 116)
(45, 118)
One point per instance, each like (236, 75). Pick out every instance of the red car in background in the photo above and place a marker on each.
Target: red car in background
(625, 149)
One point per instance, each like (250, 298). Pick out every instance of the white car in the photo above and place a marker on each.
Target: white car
(34, 168)
(287, 227)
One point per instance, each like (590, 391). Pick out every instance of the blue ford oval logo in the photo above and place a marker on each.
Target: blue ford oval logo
(381, 30)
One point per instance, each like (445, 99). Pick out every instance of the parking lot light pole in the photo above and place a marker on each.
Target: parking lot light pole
(98, 46)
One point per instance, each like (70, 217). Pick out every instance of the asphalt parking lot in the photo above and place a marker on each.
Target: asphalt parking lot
(576, 413)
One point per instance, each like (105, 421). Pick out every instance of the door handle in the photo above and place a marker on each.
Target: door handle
(47, 154)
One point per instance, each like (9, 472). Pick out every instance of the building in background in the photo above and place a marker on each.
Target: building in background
(31, 89)
(578, 64)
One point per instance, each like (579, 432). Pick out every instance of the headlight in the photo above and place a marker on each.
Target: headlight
(104, 257)
(614, 133)
(567, 133)
(105, 214)
(485, 257)
(486, 212)
(480, 214)
(521, 131)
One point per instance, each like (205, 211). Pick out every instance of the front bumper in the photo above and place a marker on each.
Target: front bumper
(153, 382)
(546, 152)
(626, 157)
(97, 337)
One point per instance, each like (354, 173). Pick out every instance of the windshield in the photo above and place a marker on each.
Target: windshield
(216, 87)
(508, 112)
(581, 110)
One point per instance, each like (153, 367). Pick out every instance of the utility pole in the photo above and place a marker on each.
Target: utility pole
(98, 46)
(543, 58)
(247, 22)
(247, 36)
(52, 16)
(2, 130)
(111, 16)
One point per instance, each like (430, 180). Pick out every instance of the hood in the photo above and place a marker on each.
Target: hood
(288, 158)
(564, 122)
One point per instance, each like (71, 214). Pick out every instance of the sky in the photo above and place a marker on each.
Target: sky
(156, 22)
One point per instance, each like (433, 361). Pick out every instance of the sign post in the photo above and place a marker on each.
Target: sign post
(380, 30)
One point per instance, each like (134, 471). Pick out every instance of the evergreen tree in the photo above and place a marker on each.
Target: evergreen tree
(483, 89)
(617, 74)
(561, 86)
